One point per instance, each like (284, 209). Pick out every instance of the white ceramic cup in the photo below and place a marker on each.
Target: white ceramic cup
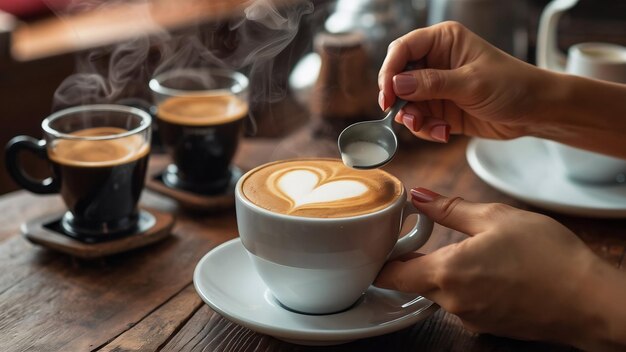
(597, 60)
(600, 61)
(323, 265)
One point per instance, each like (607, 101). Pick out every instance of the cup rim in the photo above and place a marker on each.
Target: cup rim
(145, 123)
(241, 197)
(156, 86)
(579, 50)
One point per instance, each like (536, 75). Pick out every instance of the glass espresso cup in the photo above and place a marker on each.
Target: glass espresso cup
(200, 116)
(99, 156)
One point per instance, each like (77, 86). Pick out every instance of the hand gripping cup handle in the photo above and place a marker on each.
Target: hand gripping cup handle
(415, 238)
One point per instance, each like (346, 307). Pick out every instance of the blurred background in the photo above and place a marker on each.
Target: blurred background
(311, 62)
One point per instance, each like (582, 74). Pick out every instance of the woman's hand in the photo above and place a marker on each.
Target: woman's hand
(467, 86)
(519, 274)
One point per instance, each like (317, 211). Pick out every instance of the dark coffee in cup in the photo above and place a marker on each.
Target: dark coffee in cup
(201, 133)
(100, 181)
(99, 156)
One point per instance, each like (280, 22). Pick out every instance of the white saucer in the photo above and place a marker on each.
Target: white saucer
(226, 281)
(522, 168)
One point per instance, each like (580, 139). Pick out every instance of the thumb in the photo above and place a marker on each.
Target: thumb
(428, 84)
(455, 213)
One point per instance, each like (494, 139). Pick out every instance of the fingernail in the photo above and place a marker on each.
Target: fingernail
(440, 133)
(409, 121)
(424, 195)
(404, 84)
(381, 100)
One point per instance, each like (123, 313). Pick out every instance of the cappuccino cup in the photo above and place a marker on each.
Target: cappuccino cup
(318, 232)
(98, 155)
(200, 118)
(600, 61)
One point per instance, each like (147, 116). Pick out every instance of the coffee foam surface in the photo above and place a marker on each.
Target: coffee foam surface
(320, 188)
(109, 152)
(202, 110)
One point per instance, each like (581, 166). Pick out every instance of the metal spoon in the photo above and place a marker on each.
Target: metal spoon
(370, 144)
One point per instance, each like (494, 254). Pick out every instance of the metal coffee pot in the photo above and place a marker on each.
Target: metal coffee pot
(339, 78)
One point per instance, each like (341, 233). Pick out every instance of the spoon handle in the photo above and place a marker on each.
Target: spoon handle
(400, 103)
(395, 109)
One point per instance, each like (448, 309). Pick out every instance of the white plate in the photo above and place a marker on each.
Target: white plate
(226, 281)
(522, 168)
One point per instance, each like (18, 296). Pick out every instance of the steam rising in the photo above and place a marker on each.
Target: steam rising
(248, 43)
(263, 12)
(98, 84)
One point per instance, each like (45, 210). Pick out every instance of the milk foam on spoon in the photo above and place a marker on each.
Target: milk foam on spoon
(364, 153)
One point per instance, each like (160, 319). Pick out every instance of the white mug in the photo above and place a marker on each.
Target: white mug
(323, 265)
(597, 60)
(585, 166)
(600, 61)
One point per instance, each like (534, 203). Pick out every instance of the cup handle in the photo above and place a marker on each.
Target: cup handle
(38, 147)
(417, 237)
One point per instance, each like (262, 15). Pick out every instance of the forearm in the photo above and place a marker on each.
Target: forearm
(583, 113)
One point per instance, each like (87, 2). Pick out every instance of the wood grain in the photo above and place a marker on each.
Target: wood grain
(87, 304)
(208, 331)
(143, 300)
(37, 232)
(155, 329)
(22, 206)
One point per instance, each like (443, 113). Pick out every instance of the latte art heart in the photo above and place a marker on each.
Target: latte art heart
(303, 187)
(319, 188)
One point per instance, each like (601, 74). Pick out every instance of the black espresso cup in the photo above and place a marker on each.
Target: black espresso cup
(99, 157)
(200, 117)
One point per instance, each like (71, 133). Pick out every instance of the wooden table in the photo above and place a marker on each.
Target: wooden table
(145, 300)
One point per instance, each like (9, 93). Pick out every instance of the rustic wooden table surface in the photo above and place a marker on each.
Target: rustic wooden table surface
(145, 300)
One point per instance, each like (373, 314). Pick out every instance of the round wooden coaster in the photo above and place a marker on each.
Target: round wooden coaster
(195, 201)
(45, 231)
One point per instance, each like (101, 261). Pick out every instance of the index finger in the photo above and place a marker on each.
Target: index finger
(413, 46)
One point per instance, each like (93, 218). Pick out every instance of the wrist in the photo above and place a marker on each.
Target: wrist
(581, 112)
(553, 94)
